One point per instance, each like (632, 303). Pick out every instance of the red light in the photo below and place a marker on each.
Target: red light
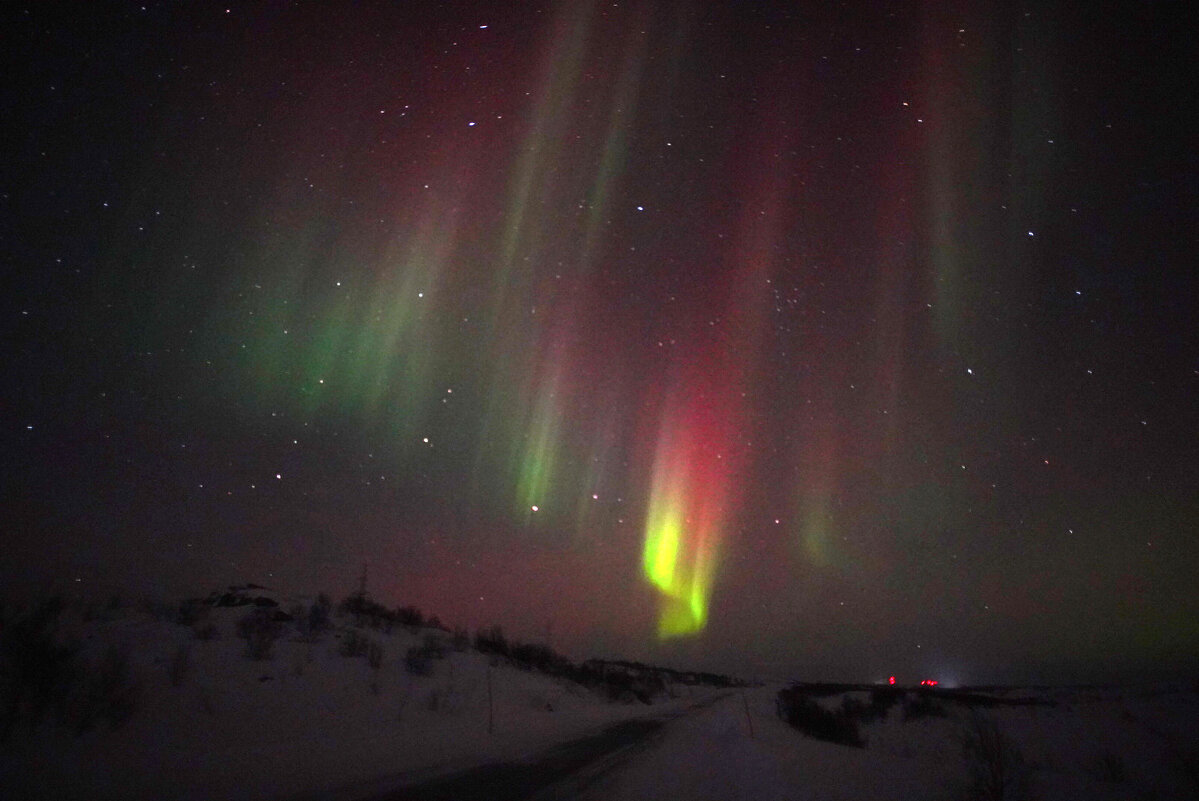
(891, 680)
(928, 683)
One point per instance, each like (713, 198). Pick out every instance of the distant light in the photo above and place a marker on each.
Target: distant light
(892, 679)
(279, 476)
(482, 27)
(534, 507)
(471, 124)
(641, 208)
(1030, 233)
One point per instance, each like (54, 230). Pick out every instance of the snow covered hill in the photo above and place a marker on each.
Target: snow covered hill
(334, 710)
(339, 710)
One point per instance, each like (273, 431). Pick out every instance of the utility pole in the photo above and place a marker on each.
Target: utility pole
(490, 705)
(750, 720)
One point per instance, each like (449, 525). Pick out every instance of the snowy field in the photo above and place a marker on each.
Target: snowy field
(310, 722)
(1091, 744)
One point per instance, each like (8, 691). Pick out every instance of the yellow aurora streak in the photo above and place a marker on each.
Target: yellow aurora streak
(685, 520)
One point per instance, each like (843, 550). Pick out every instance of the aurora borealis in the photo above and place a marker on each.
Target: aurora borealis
(844, 340)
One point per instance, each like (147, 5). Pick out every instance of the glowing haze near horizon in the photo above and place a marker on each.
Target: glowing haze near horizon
(794, 340)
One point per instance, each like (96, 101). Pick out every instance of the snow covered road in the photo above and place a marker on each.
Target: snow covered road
(564, 771)
(715, 755)
(706, 752)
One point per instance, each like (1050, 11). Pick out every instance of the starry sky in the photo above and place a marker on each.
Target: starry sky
(814, 340)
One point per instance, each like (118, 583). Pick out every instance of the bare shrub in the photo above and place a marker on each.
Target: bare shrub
(409, 616)
(1108, 767)
(535, 656)
(359, 645)
(460, 640)
(814, 720)
(922, 707)
(192, 613)
(1185, 760)
(206, 702)
(374, 655)
(418, 662)
(260, 630)
(206, 631)
(40, 674)
(419, 659)
(881, 701)
(354, 644)
(996, 767)
(315, 620)
(37, 671)
(180, 665)
(108, 693)
(434, 645)
(492, 641)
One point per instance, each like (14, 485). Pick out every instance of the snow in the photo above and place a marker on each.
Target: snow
(1153, 732)
(714, 756)
(311, 723)
(306, 721)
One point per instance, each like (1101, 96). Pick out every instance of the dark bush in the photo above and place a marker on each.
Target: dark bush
(434, 645)
(922, 707)
(106, 693)
(354, 644)
(319, 615)
(533, 656)
(315, 620)
(206, 632)
(367, 612)
(492, 641)
(191, 613)
(1109, 767)
(419, 659)
(996, 767)
(418, 662)
(815, 721)
(853, 708)
(180, 665)
(409, 616)
(37, 672)
(882, 699)
(461, 639)
(359, 645)
(374, 655)
(259, 629)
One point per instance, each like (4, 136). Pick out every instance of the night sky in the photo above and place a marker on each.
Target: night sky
(816, 340)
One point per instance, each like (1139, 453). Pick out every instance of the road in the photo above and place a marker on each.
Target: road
(564, 771)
